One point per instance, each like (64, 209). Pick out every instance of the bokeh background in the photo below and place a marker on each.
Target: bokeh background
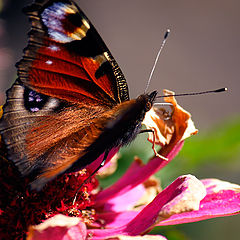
(202, 53)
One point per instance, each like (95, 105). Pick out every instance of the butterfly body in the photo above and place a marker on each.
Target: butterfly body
(70, 103)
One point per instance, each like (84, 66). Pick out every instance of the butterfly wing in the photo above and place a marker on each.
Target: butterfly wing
(67, 80)
(67, 59)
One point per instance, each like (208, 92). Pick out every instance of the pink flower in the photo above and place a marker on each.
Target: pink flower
(185, 200)
(135, 204)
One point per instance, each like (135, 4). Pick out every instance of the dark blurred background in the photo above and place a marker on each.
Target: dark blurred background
(202, 53)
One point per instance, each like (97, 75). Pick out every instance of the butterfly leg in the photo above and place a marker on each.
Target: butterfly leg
(153, 146)
(101, 165)
(147, 130)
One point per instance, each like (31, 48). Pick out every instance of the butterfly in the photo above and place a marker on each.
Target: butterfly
(70, 103)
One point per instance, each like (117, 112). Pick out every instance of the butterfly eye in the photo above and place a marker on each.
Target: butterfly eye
(148, 106)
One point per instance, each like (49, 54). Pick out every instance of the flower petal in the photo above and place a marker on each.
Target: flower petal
(135, 175)
(95, 164)
(130, 204)
(214, 185)
(192, 191)
(146, 237)
(175, 127)
(125, 201)
(222, 199)
(59, 227)
(114, 219)
(109, 168)
(185, 187)
(163, 130)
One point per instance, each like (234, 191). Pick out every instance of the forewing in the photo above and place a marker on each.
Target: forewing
(67, 80)
(67, 59)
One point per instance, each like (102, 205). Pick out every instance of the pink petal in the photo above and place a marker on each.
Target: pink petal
(214, 185)
(222, 199)
(136, 174)
(94, 165)
(185, 187)
(115, 219)
(126, 201)
(110, 167)
(192, 191)
(146, 237)
(59, 227)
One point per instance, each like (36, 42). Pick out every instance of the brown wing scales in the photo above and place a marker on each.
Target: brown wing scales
(68, 86)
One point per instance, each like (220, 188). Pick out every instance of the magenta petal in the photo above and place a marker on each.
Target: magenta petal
(94, 165)
(185, 187)
(59, 227)
(190, 193)
(136, 174)
(214, 185)
(126, 201)
(145, 237)
(222, 199)
(115, 219)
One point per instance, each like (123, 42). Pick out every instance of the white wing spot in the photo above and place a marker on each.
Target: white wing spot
(53, 48)
(49, 62)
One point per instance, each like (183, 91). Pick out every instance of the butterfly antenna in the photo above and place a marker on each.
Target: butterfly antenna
(194, 93)
(156, 59)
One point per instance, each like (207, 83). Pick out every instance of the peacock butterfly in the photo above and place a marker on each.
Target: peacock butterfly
(70, 103)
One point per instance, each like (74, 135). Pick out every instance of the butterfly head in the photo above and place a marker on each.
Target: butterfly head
(150, 97)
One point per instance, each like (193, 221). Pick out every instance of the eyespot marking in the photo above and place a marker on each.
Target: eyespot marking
(34, 101)
(58, 20)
